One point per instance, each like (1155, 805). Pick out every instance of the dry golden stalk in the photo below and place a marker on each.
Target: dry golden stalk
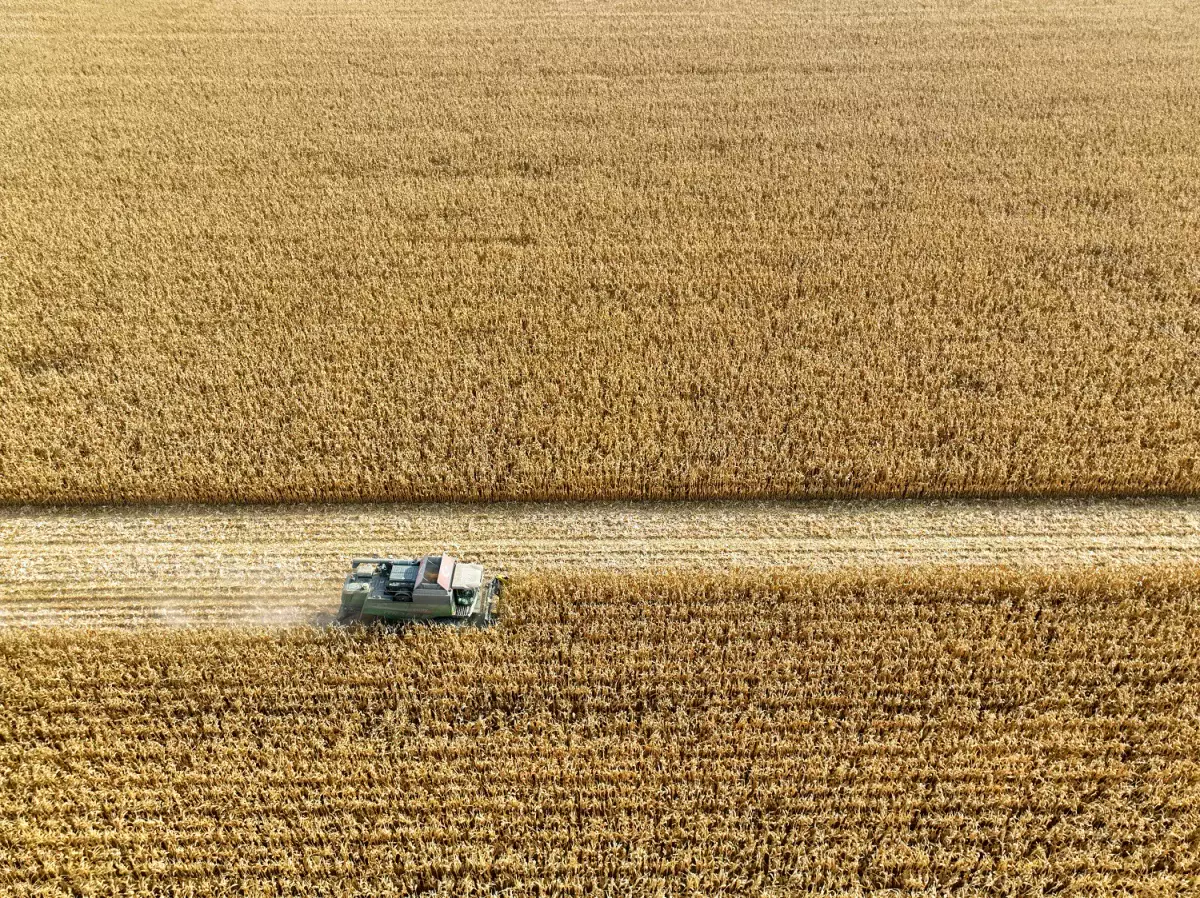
(259, 252)
(921, 732)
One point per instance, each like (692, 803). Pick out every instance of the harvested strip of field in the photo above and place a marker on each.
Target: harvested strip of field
(281, 564)
(660, 734)
(297, 251)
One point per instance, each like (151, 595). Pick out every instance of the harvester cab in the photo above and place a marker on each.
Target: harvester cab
(437, 589)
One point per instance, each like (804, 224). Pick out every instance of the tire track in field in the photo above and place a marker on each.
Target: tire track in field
(282, 564)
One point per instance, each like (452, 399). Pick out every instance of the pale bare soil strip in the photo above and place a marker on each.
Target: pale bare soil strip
(283, 564)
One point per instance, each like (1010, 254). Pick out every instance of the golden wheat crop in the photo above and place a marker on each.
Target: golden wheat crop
(635, 735)
(290, 250)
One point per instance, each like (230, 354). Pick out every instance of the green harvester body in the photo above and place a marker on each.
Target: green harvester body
(437, 589)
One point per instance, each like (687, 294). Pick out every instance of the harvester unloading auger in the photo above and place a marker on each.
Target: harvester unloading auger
(437, 589)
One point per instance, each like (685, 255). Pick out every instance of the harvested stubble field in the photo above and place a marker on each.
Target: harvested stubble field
(283, 564)
(908, 732)
(298, 250)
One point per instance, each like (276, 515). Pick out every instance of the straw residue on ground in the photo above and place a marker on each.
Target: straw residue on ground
(281, 564)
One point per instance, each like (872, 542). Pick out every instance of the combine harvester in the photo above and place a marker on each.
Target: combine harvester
(437, 589)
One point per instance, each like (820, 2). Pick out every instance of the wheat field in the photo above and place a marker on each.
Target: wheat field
(900, 733)
(307, 250)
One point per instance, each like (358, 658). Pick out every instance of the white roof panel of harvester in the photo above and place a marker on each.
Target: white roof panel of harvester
(469, 576)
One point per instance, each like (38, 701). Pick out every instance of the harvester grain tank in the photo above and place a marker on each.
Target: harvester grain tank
(437, 589)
